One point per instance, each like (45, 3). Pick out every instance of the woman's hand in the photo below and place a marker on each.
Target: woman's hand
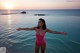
(63, 33)
(18, 29)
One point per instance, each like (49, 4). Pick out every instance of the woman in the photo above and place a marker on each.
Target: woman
(41, 29)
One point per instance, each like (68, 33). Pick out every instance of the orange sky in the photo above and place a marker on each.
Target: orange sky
(40, 4)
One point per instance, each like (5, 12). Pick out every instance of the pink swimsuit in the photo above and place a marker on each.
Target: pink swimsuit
(40, 39)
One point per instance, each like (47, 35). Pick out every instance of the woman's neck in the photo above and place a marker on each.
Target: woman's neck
(40, 27)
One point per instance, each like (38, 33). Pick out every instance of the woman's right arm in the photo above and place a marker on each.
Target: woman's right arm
(33, 28)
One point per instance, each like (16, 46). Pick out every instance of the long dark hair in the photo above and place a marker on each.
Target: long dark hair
(44, 25)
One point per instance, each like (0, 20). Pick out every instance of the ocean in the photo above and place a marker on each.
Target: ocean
(23, 41)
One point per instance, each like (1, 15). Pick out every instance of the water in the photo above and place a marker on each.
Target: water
(23, 41)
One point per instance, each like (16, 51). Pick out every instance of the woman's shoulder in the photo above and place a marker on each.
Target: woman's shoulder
(35, 27)
(46, 29)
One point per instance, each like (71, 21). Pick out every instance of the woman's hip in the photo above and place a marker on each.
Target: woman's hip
(40, 43)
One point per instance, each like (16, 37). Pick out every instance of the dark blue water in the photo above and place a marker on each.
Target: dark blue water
(23, 41)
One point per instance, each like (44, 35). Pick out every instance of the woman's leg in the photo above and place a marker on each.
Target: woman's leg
(37, 48)
(43, 48)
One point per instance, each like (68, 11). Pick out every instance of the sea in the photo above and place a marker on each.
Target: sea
(64, 20)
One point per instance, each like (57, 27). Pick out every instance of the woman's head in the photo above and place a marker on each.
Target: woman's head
(41, 23)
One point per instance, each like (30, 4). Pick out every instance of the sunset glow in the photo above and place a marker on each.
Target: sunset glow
(8, 6)
(39, 4)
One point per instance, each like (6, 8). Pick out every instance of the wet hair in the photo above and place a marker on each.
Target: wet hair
(44, 25)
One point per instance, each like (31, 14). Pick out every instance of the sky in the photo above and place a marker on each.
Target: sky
(39, 4)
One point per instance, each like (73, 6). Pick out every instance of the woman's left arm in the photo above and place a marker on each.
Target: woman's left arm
(55, 32)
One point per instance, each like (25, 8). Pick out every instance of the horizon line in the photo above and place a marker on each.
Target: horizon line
(42, 9)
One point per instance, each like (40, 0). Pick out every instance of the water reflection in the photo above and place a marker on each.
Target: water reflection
(9, 20)
(9, 23)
